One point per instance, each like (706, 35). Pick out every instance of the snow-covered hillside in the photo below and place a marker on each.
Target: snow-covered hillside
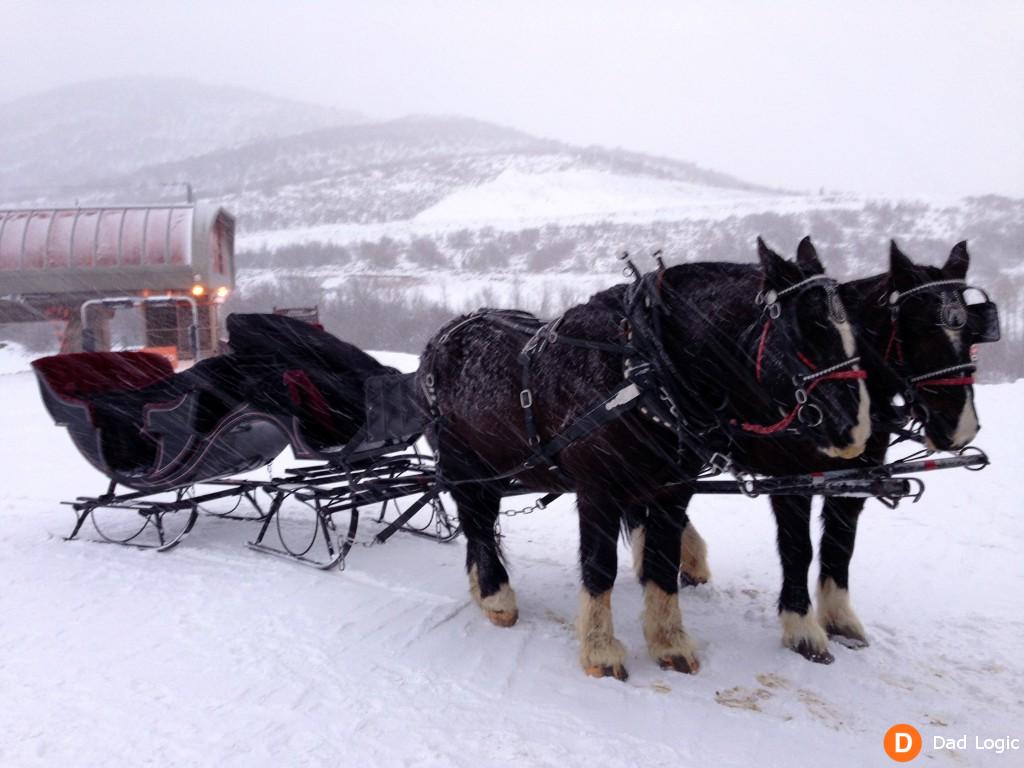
(92, 131)
(215, 655)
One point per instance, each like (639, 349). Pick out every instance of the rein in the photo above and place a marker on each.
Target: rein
(830, 374)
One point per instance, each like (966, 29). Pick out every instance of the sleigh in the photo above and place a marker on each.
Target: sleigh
(184, 443)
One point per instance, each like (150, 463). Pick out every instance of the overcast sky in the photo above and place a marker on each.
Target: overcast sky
(891, 98)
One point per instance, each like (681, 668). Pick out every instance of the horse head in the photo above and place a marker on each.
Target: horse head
(934, 326)
(806, 353)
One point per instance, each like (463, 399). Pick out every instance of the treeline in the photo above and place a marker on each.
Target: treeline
(539, 249)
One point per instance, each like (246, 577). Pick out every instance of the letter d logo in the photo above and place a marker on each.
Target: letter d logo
(902, 743)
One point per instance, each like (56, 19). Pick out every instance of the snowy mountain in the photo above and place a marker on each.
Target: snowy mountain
(91, 131)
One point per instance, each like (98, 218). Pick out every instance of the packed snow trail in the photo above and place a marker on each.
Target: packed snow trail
(216, 655)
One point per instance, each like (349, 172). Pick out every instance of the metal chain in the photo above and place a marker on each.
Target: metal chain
(537, 505)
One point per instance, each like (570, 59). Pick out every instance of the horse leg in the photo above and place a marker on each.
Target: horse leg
(835, 614)
(601, 654)
(693, 560)
(478, 505)
(659, 546)
(800, 631)
(693, 556)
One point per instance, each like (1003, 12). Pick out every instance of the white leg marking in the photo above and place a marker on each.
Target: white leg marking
(837, 617)
(803, 634)
(637, 538)
(693, 557)
(598, 646)
(500, 607)
(667, 641)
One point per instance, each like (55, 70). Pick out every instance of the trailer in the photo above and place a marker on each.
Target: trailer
(54, 260)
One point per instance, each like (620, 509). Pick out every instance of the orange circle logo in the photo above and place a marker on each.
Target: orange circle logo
(902, 743)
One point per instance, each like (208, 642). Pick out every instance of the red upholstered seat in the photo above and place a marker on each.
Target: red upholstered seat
(306, 396)
(82, 374)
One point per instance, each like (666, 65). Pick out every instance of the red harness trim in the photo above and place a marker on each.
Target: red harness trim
(956, 381)
(785, 421)
(803, 359)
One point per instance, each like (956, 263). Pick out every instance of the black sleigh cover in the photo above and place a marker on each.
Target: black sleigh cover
(149, 428)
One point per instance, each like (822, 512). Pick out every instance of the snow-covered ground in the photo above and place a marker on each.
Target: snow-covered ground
(13, 357)
(213, 654)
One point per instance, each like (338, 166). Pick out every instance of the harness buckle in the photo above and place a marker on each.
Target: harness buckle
(526, 399)
(810, 415)
(720, 462)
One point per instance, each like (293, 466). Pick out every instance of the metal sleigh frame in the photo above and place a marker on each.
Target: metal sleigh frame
(393, 474)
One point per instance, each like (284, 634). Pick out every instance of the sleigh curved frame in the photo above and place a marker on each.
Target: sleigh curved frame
(183, 453)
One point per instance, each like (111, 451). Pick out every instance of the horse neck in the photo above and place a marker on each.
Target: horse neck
(714, 340)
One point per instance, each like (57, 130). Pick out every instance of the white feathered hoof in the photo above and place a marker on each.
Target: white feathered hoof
(837, 617)
(693, 567)
(803, 634)
(667, 641)
(601, 654)
(500, 608)
(693, 559)
(618, 671)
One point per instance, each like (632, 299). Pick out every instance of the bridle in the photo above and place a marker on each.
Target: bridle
(807, 414)
(980, 320)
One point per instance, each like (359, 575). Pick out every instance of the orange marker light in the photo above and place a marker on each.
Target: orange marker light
(222, 292)
(198, 290)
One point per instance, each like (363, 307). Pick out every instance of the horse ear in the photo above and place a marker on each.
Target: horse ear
(807, 258)
(958, 262)
(901, 268)
(771, 264)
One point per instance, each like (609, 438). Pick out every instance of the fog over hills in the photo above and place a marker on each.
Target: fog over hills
(391, 226)
(91, 131)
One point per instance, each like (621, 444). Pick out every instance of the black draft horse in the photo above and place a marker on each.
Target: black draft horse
(914, 332)
(749, 330)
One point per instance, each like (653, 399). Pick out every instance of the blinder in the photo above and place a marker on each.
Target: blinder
(983, 322)
(980, 319)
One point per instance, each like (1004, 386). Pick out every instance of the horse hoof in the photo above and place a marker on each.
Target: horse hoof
(811, 653)
(691, 580)
(679, 663)
(608, 670)
(503, 618)
(846, 637)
